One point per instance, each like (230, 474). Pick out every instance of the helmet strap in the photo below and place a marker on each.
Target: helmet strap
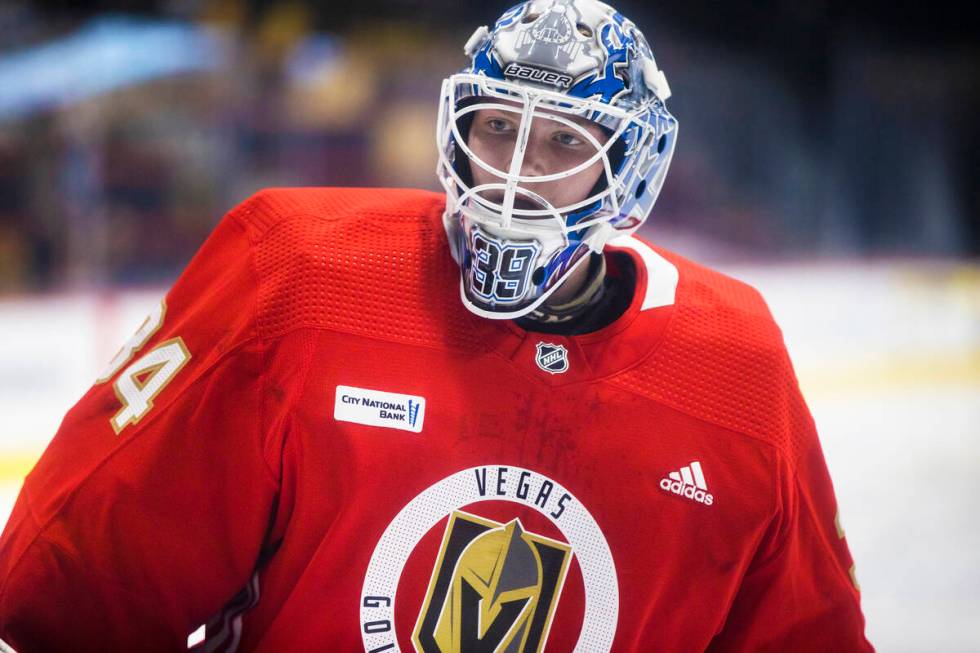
(588, 297)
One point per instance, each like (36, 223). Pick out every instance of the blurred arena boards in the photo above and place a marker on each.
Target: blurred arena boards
(888, 356)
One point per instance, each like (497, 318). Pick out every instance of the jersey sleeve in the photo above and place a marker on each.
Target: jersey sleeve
(147, 512)
(800, 592)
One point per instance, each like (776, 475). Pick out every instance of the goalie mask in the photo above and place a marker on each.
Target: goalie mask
(560, 96)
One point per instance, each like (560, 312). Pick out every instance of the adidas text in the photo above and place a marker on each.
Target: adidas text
(689, 482)
(689, 491)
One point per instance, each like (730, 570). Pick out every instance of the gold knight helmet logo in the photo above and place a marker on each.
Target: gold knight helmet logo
(494, 589)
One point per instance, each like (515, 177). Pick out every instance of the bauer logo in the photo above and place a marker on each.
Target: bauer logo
(377, 408)
(552, 358)
(533, 74)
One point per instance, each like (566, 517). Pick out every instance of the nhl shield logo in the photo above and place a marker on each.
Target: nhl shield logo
(552, 358)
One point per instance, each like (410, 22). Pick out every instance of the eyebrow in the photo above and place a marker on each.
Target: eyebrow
(585, 123)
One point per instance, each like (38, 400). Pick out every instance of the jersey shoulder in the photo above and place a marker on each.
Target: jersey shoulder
(723, 360)
(734, 306)
(366, 261)
(272, 207)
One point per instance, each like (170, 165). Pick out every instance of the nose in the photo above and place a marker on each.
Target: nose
(534, 163)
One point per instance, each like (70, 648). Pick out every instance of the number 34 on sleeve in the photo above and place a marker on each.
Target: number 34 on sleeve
(144, 378)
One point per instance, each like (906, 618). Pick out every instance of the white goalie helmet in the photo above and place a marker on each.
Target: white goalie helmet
(575, 64)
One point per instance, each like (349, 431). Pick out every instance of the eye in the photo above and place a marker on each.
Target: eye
(498, 125)
(568, 140)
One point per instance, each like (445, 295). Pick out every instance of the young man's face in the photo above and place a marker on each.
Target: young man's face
(552, 147)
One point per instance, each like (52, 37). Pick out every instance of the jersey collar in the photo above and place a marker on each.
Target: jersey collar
(609, 350)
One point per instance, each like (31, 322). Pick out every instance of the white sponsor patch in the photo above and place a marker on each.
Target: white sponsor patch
(377, 408)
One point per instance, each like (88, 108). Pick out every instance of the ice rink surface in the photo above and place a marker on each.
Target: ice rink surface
(888, 356)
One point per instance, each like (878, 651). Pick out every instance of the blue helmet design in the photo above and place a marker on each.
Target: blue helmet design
(484, 63)
(608, 84)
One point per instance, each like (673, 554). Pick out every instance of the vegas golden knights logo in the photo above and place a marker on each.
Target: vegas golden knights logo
(494, 589)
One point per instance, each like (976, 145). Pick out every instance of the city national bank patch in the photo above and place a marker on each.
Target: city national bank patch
(376, 408)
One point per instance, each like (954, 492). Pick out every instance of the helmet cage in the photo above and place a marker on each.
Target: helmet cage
(647, 133)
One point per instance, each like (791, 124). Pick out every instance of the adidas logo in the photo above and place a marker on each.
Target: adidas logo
(688, 482)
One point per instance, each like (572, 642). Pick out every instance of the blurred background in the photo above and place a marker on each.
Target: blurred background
(828, 154)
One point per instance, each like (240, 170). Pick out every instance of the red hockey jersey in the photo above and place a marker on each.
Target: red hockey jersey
(312, 446)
